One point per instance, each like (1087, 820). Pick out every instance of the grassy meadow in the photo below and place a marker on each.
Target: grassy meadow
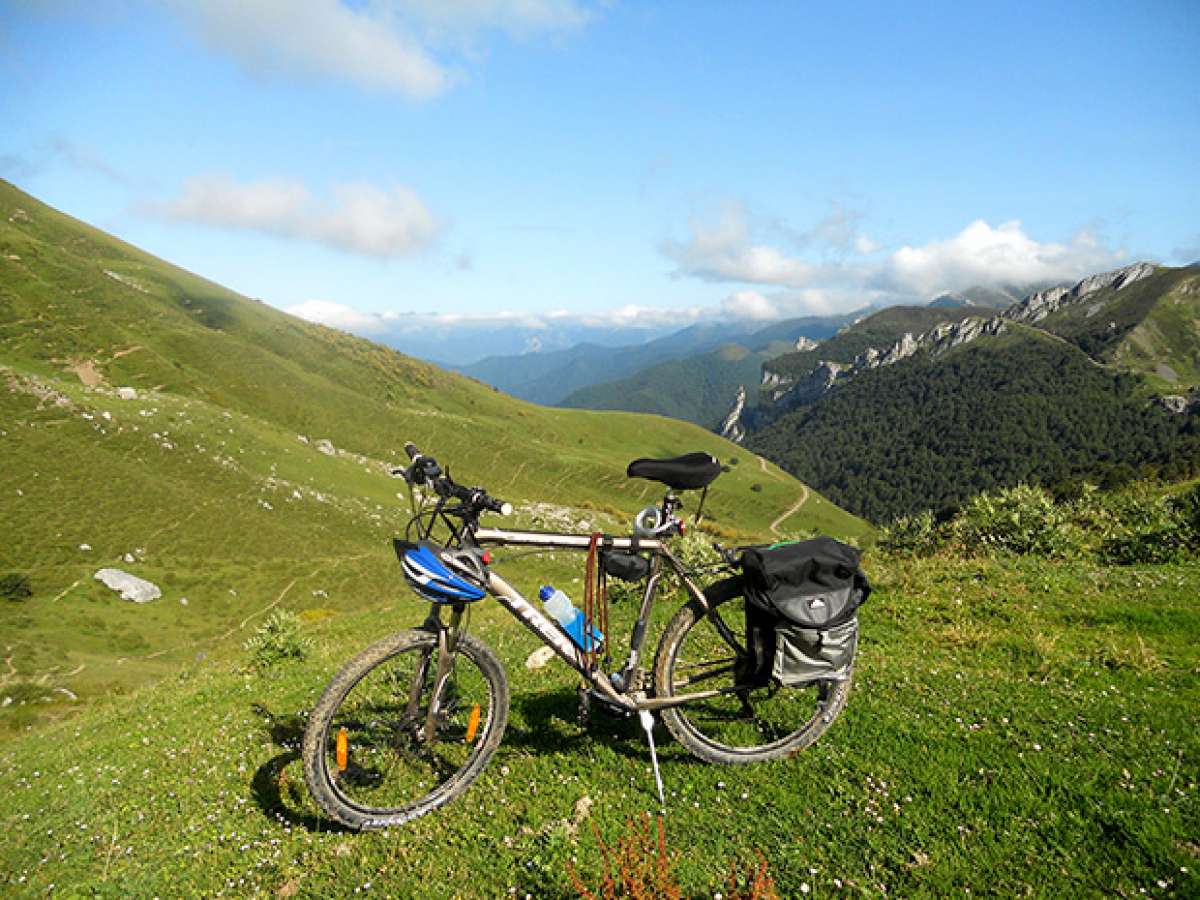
(1018, 728)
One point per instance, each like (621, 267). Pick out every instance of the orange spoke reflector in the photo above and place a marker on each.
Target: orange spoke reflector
(472, 724)
(343, 750)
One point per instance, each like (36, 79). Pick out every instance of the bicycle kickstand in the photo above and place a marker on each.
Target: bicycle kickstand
(647, 719)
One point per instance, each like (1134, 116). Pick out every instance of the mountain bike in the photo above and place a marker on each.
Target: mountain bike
(410, 722)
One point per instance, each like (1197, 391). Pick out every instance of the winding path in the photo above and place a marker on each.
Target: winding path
(790, 510)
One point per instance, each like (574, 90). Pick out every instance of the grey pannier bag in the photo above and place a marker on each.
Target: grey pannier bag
(802, 603)
(805, 655)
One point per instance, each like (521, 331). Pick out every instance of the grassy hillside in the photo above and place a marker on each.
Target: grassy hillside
(1151, 327)
(700, 388)
(1018, 727)
(930, 433)
(213, 482)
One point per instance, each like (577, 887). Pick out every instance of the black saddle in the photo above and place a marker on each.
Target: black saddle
(681, 473)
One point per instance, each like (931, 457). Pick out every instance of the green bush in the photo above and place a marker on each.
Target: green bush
(278, 640)
(1154, 529)
(917, 534)
(15, 587)
(1022, 519)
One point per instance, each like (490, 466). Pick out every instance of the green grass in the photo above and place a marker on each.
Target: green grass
(1017, 727)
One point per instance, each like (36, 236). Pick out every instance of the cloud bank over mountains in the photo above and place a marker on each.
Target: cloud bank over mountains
(834, 266)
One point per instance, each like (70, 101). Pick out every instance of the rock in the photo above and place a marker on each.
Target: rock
(803, 343)
(126, 393)
(129, 557)
(732, 428)
(183, 601)
(538, 658)
(1037, 306)
(85, 547)
(131, 587)
(326, 447)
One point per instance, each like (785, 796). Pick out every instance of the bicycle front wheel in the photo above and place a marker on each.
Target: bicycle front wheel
(370, 759)
(702, 651)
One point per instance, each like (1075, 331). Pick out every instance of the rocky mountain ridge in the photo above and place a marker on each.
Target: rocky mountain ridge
(1041, 304)
(786, 393)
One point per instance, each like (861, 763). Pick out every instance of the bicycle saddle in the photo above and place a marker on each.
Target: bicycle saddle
(681, 473)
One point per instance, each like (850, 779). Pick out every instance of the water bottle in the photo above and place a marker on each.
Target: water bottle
(559, 606)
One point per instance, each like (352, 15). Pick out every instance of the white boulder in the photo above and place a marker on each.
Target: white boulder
(139, 590)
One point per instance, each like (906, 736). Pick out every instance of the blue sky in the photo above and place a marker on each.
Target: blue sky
(623, 162)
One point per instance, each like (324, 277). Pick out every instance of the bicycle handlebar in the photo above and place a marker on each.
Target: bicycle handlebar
(425, 469)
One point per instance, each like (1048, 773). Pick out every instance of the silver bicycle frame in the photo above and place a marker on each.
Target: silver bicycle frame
(541, 625)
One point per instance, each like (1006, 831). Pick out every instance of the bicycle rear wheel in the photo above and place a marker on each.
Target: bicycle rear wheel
(702, 651)
(367, 760)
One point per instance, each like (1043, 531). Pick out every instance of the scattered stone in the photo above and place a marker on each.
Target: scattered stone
(538, 658)
(129, 557)
(126, 393)
(85, 547)
(183, 601)
(326, 447)
(131, 587)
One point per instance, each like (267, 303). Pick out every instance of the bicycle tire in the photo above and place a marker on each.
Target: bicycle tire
(784, 720)
(385, 757)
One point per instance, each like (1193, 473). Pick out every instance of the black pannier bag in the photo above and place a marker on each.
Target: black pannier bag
(802, 604)
(813, 584)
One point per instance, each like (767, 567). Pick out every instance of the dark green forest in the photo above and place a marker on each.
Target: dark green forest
(930, 434)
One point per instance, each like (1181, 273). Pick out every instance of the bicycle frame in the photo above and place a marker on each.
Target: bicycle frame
(628, 695)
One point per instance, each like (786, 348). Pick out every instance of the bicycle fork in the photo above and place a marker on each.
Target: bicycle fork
(447, 636)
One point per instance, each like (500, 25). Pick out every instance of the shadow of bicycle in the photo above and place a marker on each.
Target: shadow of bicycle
(277, 786)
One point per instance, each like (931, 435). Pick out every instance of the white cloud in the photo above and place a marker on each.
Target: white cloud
(381, 45)
(722, 251)
(983, 255)
(360, 219)
(729, 248)
(749, 305)
(338, 315)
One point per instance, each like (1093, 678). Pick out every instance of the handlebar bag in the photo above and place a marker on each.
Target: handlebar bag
(815, 584)
(626, 566)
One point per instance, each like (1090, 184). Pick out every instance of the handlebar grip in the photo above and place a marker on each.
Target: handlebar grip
(411, 449)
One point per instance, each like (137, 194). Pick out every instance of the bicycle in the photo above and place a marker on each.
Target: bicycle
(410, 722)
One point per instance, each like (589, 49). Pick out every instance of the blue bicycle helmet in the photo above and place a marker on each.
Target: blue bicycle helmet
(439, 575)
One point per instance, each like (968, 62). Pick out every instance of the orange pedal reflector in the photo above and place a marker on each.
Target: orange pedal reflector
(343, 749)
(472, 724)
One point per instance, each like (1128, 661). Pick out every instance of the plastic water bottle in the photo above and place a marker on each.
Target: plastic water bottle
(560, 607)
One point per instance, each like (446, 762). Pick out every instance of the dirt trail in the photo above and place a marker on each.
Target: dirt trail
(792, 509)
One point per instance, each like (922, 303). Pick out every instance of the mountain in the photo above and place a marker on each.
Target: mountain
(549, 378)
(703, 386)
(237, 457)
(1067, 384)
(996, 297)
(1142, 318)
(699, 388)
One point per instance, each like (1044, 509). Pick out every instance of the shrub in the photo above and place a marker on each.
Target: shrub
(278, 640)
(15, 587)
(1153, 529)
(1021, 519)
(916, 534)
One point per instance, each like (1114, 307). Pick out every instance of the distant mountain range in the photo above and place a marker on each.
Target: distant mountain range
(552, 377)
(1096, 380)
(916, 407)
